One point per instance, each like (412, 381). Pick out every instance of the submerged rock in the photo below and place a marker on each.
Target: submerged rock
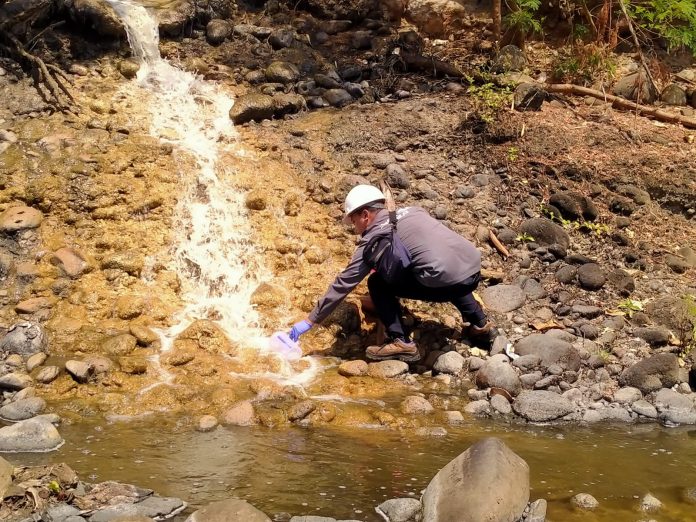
(228, 511)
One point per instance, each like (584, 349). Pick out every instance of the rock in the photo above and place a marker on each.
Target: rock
(328, 81)
(688, 494)
(454, 417)
(281, 38)
(256, 107)
(48, 374)
(499, 374)
(500, 404)
(509, 58)
(300, 410)
(486, 482)
(23, 409)
(627, 395)
(288, 104)
(122, 344)
(591, 276)
(361, 40)
(435, 18)
(6, 472)
(650, 503)
(450, 363)
(151, 507)
(207, 423)
(503, 298)
(635, 194)
(33, 304)
(673, 94)
(24, 339)
(248, 29)
(653, 336)
(677, 264)
(667, 399)
(228, 511)
(282, 72)
(32, 435)
(541, 405)
(19, 218)
(36, 360)
(415, 405)
(550, 349)
(240, 414)
(337, 97)
(636, 87)
(566, 274)
(396, 176)
(387, 369)
(622, 206)
(353, 368)
(644, 408)
(545, 232)
(584, 501)
(129, 262)
(143, 335)
(204, 335)
(529, 96)
(651, 374)
(537, 511)
(15, 381)
(71, 262)
(400, 509)
(97, 17)
(574, 206)
(689, 255)
(217, 31)
(79, 370)
(480, 407)
(622, 281)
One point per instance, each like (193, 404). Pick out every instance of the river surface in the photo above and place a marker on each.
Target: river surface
(346, 473)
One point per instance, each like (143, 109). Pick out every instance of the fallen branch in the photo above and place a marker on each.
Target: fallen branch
(497, 244)
(621, 103)
(431, 65)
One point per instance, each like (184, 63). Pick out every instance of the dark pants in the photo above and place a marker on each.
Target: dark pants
(386, 299)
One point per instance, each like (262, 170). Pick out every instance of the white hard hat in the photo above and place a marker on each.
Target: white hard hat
(360, 196)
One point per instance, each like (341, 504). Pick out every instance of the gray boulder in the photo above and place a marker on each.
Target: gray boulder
(227, 511)
(545, 232)
(487, 482)
(450, 363)
(256, 107)
(32, 435)
(591, 276)
(337, 97)
(651, 374)
(503, 298)
(217, 31)
(24, 339)
(23, 409)
(400, 509)
(499, 374)
(636, 87)
(551, 350)
(654, 336)
(541, 405)
(510, 58)
(673, 94)
(281, 38)
(152, 507)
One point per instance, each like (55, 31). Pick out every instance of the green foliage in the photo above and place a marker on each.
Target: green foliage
(688, 333)
(54, 486)
(598, 229)
(524, 20)
(489, 99)
(524, 238)
(673, 20)
(584, 64)
(629, 306)
(512, 154)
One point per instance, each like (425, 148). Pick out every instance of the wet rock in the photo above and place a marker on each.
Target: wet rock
(143, 335)
(636, 87)
(129, 262)
(498, 373)
(503, 298)
(653, 373)
(541, 405)
(288, 104)
(207, 423)
(128, 68)
(627, 395)
(415, 405)
(36, 360)
(282, 72)
(228, 510)
(537, 511)
(353, 368)
(48, 374)
(24, 338)
(545, 232)
(566, 274)
(122, 344)
(584, 501)
(400, 509)
(20, 218)
(217, 31)
(281, 38)
(653, 336)
(500, 404)
(240, 414)
(449, 363)
(71, 262)
(677, 264)
(673, 94)
(132, 365)
(688, 495)
(204, 335)
(454, 417)
(644, 408)
(252, 107)
(551, 350)
(153, 507)
(650, 503)
(23, 409)
(337, 97)
(387, 369)
(32, 435)
(300, 410)
(480, 407)
(591, 276)
(574, 206)
(486, 482)
(96, 16)
(79, 370)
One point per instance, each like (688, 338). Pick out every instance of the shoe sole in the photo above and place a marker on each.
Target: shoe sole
(405, 358)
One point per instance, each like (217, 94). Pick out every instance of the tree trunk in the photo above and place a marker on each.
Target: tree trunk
(496, 14)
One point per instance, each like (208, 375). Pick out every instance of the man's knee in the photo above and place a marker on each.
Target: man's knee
(375, 283)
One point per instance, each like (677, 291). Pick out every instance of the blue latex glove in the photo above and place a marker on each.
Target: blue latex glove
(298, 329)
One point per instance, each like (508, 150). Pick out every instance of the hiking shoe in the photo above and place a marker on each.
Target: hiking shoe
(482, 336)
(394, 349)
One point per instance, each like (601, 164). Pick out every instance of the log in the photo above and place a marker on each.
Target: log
(431, 65)
(621, 103)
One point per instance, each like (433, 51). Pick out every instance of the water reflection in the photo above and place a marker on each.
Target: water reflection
(346, 473)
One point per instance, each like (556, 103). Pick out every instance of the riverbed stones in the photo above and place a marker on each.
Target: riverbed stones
(415, 405)
(545, 232)
(400, 509)
(15, 381)
(70, 261)
(252, 107)
(627, 395)
(204, 335)
(19, 218)
(128, 68)
(300, 410)
(356, 368)
(207, 423)
(503, 298)
(24, 338)
(47, 374)
(23, 409)
(217, 31)
(122, 344)
(240, 414)
(500, 404)
(644, 408)
(550, 349)
(591, 276)
(486, 482)
(337, 97)
(282, 72)
(651, 374)
(497, 372)
(387, 369)
(154, 507)
(79, 370)
(449, 363)
(32, 435)
(229, 510)
(650, 503)
(584, 501)
(541, 405)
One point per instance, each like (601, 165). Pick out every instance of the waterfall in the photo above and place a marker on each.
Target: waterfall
(213, 253)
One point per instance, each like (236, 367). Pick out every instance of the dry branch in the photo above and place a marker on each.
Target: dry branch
(497, 244)
(621, 103)
(431, 65)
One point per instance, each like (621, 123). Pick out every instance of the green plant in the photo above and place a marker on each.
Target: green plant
(598, 229)
(673, 20)
(628, 306)
(688, 325)
(524, 238)
(584, 64)
(524, 18)
(489, 99)
(513, 154)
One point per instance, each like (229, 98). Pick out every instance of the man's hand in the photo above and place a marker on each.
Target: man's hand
(300, 328)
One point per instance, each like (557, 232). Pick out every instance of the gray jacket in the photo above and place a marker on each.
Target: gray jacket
(441, 257)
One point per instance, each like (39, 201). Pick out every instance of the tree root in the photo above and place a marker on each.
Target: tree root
(621, 103)
(50, 81)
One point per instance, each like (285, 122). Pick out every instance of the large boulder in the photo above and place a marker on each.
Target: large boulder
(282, 72)
(503, 298)
(550, 349)
(436, 18)
(32, 435)
(497, 373)
(545, 232)
(174, 20)
(96, 16)
(636, 87)
(541, 405)
(230, 510)
(673, 94)
(256, 107)
(24, 339)
(651, 374)
(488, 482)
